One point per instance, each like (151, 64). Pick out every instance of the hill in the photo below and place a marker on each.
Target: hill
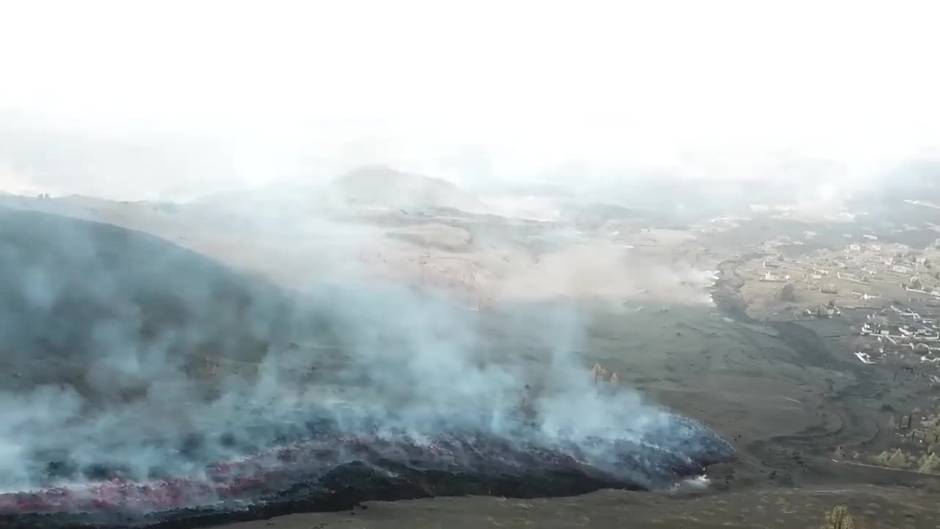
(85, 302)
(381, 186)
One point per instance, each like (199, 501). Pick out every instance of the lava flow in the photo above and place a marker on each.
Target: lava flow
(329, 470)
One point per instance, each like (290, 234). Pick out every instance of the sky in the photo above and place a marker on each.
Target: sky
(172, 99)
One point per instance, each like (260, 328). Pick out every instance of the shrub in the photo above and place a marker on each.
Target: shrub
(839, 518)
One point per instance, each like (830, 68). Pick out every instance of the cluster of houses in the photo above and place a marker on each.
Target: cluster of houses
(860, 263)
(898, 330)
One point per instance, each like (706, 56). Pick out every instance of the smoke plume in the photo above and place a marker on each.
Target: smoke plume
(131, 359)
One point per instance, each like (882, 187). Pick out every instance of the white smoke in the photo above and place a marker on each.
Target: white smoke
(107, 331)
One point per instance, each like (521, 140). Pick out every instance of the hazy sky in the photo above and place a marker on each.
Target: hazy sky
(143, 98)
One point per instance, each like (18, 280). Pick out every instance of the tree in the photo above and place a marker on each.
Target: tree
(895, 459)
(788, 293)
(898, 459)
(839, 518)
(929, 463)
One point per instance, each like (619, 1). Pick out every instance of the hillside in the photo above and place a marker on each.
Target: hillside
(84, 302)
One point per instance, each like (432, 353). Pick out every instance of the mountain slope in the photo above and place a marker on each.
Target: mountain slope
(82, 301)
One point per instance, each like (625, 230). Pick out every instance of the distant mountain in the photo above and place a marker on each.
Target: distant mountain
(381, 186)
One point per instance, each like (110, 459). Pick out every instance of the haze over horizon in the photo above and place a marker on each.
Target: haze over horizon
(174, 100)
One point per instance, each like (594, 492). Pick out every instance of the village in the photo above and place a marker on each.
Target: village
(887, 294)
(875, 304)
(898, 331)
